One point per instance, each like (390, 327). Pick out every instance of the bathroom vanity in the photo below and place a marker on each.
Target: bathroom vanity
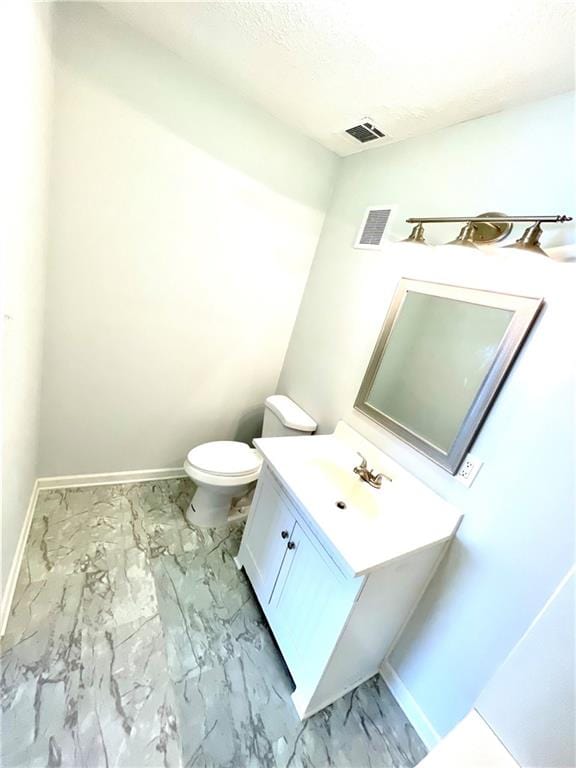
(338, 566)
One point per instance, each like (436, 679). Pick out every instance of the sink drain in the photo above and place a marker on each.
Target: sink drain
(341, 505)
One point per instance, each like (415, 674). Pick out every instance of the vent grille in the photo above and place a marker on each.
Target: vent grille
(373, 226)
(365, 132)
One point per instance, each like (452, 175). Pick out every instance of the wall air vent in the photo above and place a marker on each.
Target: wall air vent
(365, 132)
(373, 225)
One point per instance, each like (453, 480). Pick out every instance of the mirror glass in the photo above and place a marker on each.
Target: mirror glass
(430, 387)
(441, 355)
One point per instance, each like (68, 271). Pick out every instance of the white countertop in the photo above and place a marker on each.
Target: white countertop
(378, 525)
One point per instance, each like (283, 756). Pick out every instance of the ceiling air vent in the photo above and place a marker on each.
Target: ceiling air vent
(365, 132)
(373, 226)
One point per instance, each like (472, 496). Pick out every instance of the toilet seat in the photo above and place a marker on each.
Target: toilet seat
(225, 471)
(228, 459)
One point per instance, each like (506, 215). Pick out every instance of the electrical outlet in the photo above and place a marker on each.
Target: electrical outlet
(468, 470)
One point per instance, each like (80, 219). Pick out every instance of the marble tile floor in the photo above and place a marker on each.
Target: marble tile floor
(134, 641)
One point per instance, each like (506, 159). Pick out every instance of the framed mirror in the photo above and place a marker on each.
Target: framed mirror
(439, 361)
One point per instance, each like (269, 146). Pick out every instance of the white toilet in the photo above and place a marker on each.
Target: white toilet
(226, 469)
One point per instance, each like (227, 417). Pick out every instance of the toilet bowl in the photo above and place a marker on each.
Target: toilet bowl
(227, 469)
(222, 470)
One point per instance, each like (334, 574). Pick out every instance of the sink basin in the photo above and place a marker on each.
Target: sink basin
(340, 484)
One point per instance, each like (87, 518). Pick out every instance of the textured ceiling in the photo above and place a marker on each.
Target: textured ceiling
(413, 66)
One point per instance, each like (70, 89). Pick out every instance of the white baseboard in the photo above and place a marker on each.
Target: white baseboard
(110, 478)
(409, 706)
(8, 595)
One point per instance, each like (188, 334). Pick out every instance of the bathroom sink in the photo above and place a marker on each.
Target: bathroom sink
(371, 525)
(342, 487)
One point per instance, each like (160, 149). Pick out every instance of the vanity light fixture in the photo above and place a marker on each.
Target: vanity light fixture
(492, 227)
(416, 236)
(530, 240)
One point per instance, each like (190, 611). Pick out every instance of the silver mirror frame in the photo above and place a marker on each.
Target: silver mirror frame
(526, 310)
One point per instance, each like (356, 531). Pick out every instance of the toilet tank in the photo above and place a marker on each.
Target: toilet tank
(283, 418)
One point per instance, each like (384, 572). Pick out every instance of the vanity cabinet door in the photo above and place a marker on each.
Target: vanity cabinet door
(268, 532)
(309, 607)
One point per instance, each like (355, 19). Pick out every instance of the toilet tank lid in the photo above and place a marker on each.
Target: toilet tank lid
(290, 414)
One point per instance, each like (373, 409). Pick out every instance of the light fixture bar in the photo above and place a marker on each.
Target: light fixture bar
(449, 219)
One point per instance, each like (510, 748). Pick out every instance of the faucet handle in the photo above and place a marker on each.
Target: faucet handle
(363, 462)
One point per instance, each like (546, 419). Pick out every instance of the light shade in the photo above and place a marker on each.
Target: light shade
(530, 240)
(466, 237)
(416, 236)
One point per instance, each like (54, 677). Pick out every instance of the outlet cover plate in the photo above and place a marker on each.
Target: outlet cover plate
(468, 470)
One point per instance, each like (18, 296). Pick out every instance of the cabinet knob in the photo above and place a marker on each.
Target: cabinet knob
(284, 534)
(291, 545)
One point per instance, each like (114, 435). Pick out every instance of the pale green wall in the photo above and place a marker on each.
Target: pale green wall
(516, 541)
(183, 223)
(25, 30)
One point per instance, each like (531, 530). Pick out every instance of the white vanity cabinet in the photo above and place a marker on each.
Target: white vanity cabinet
(333, 626)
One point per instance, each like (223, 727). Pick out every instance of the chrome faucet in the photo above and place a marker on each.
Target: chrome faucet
(368, 475)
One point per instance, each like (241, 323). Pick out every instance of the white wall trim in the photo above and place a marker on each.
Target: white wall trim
(110, 478)
(8, 595)
(409, 706)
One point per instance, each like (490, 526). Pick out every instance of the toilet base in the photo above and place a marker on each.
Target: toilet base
(208, 509)
(211, 505)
